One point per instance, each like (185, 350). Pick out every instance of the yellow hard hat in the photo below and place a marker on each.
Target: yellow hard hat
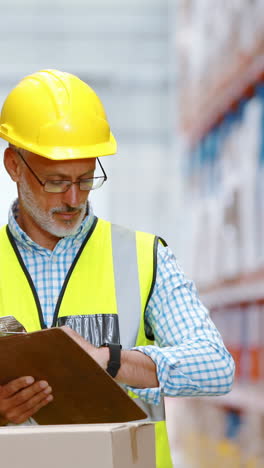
(58, 116)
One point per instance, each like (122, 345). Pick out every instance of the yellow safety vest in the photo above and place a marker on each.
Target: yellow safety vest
(98, 296)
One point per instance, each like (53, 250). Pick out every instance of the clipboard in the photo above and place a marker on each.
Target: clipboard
(83, 392)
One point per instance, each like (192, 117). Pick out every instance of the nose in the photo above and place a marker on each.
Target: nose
(74, 196)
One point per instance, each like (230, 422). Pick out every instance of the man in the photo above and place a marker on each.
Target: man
(61, 266)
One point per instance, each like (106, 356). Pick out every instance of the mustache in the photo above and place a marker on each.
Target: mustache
(68, 209)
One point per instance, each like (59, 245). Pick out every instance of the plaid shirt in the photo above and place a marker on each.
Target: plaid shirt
(190, 356)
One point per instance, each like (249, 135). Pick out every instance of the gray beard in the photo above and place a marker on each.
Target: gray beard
(46, 220)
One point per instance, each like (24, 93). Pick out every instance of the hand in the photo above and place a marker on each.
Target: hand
(137, 369)
(21, 398)
(100, 355)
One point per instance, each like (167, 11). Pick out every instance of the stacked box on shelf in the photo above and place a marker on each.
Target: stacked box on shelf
(225, 195)
(214, 47)
(242, 329)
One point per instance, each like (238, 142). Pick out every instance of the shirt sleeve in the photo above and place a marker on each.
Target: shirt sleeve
(189, 353)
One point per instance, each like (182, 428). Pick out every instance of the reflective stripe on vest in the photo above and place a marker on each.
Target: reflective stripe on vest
(128, 300)
(130, 316)
(126, 272)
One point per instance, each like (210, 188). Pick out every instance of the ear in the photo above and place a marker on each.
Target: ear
(11, 164)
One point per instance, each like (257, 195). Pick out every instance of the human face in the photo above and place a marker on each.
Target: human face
(59, 214)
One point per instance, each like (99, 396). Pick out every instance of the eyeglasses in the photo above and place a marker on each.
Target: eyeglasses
(61, 186)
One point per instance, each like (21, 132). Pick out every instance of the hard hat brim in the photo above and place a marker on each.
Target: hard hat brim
(61, 153)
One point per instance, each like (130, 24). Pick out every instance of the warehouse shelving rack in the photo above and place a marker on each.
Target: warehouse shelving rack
(247, 288)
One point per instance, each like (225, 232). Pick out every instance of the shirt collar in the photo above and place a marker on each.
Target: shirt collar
(24, 240)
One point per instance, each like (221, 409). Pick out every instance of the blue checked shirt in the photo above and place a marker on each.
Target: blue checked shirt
(189, 353)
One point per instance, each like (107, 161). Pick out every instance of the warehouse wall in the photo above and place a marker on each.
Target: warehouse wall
(122, 50)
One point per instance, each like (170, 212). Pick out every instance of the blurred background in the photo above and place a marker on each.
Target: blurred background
(121, 48)
(182, 82)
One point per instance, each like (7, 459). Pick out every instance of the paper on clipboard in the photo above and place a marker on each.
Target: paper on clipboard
(9, 325)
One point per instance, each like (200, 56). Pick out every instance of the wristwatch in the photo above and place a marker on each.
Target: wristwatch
(114, 362)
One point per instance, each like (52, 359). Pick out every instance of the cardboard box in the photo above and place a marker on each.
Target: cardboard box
(126, 445)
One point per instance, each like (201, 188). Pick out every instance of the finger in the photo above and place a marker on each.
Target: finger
(66, 329)
(69, 331)
(85, 345)
(19, 416)
(15, 385)
(27, 394)
(28, 404)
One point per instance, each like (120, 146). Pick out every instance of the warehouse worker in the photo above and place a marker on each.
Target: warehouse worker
(105, 285)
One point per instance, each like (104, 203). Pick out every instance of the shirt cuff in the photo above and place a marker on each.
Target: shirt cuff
(153, 395)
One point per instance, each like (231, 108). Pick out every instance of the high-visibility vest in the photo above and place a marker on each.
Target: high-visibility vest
(103, 298)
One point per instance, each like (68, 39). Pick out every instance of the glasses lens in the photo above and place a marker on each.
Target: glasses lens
(57, 186)
(91, 184)
(60, 186)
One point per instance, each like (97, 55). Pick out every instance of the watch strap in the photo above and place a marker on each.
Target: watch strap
(114, 362)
